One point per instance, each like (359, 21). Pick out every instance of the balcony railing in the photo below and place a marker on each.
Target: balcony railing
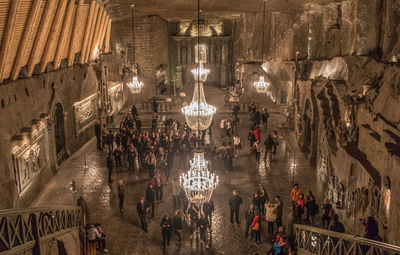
(23, 229)
(311, 240)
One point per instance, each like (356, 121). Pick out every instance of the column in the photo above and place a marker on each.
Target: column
(223, 64)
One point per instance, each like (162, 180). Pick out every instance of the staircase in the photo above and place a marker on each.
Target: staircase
(312, 240)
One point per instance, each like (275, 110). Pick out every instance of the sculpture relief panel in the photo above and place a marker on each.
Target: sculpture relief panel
(85, 113)
(29, 158)
(116, 96)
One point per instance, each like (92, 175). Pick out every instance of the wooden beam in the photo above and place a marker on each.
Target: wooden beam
(33, 16)
(89, 23)
(52, 39)
(5, 47)
(94, 33)
(63, 37)
(102, 33)
(107, 37)
(95, 44)
(41, 35)
(75, 31)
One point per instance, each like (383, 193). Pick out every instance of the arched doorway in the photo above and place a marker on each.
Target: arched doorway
(59, 131)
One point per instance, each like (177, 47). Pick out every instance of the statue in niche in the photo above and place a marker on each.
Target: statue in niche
(375, 196)
(365, 200)
(384, 208)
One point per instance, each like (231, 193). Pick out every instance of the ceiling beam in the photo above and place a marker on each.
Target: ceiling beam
(103, 32)
(5, 48)
(96, 32)
(33, 16)
(52, 39)
(107, 37)
(41, 35)
(91, 32)
(64, 32)
(75, 31)
(89, 23)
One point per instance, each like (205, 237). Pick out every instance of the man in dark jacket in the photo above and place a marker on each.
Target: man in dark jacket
(234, 204)
(269, 143)
(109, 141)
(110, 166)
(336, 225)
(134, 111)
(150, 197)
(203, 224)
(166, 225)
(177, 225)
(142, 209)
(208, 209)
(194, 216)
(97, 132)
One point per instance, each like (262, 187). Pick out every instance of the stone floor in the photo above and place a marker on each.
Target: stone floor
(123, 231)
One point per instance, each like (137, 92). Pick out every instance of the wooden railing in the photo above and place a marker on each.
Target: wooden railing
(23, 229)
(312, 240)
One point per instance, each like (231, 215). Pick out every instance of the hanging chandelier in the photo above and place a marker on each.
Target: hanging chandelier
(135, 85)
(198, 113)
(200, 74)
(198, 182)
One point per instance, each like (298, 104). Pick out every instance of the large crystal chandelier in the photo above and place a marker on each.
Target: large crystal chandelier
(198, 182)
(198, 113)
(135, 85)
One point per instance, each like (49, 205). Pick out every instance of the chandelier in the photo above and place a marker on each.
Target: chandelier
(198, 182)
(135, 85)
(200, 74)
(261, 85)
(198, 113)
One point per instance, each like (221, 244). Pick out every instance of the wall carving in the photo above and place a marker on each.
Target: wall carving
(115, 95)
(85, 113)
(29, 158)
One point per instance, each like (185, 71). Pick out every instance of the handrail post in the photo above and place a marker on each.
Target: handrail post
(36, 236)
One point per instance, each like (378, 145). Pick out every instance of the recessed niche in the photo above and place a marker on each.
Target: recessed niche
(26, 92)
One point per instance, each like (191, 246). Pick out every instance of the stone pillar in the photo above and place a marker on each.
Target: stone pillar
(223, 64)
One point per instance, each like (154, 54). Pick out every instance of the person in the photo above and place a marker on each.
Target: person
(280, 247)
(275, 138)
(121, 195)
(110, 166)
(142, 210)
(270, 217)
(155, 106)
(158, 183)
(264, 117)
(138, 122)
(134, 111)
(221, 126)
(250, 214)
(203, 225)
(194, 216)
(208, 209)
(176, 191)
(236, 144)
(131, 158)
(295, 193)
(234, 204)
(279, 211)
(97, 132)
(150, 197)
(269, 143)
(257, 150)
(177, 225)
(312, 208)
(256, 202)
(262, 194)
(154, 122)
(371, 232)
(327, 213)
(104, 133)
(256, 227)
(109, 141)
(336, 225)
(95, 236)
(299, 209)
(117, 153)
(151, 163)
(166, 225)
(276, 240)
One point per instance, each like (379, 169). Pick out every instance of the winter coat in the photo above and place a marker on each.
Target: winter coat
(142, 211)
(271, 213)
(234, 202)
(150, 194)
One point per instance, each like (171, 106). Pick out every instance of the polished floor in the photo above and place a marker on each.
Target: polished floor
(124, 235)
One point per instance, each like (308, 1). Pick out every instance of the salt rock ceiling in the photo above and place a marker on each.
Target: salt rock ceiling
(187, 9)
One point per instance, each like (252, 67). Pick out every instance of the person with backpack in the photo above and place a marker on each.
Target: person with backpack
(256, 227)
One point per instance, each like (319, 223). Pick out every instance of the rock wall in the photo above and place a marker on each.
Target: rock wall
(35, 137)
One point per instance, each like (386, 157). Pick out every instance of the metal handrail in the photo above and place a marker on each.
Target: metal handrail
(338, 242)
(23, 229)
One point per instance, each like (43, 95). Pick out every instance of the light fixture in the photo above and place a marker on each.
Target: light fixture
(261, 85)
(135, 85)
(198, 183)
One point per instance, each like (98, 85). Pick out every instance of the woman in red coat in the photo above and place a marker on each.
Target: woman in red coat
(256, 227)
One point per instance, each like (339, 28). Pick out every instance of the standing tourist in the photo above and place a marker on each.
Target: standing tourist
(177, 225)
(203, 225)
(270, 217)
(234, 204)
(250, 214)
(256, 227)
(151, 163)
(121, 195)
(166, 225)
(110, 166)
(327, 213)
(279, 211)
(208, 209)
(299, 209)
(97, 132)
(262, 194)
(194, 217)
(150, 197)
(142, 209)
(157, 183)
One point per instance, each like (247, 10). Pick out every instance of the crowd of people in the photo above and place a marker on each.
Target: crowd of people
(164, 151)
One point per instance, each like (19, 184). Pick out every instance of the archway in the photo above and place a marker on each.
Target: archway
(59, 130)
